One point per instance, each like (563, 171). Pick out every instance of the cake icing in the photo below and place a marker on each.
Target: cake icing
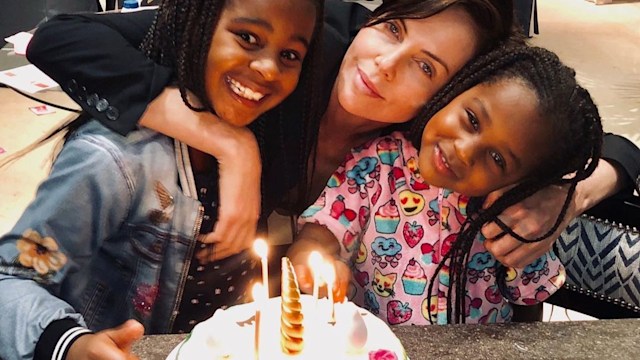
(229, 334)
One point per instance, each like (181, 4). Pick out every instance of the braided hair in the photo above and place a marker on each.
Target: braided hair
(565, 107)
(180, 37)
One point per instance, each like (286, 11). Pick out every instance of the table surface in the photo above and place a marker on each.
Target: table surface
(612, 339)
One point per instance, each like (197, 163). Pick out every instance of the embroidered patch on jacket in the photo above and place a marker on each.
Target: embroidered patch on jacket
(162, 215)
(145, 298)
(40, 254)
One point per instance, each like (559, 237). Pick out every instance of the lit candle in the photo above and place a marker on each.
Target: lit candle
(258, 298)
(260, 247)
(329, 278)
(315, 264)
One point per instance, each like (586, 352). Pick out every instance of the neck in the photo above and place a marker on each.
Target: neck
(346, 128)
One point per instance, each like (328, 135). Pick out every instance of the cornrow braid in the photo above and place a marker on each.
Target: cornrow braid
(180, 37)
(566, 109)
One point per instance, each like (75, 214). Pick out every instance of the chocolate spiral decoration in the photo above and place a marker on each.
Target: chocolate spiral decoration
(291, 329)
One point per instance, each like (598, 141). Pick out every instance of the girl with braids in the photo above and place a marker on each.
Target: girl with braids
(401, 218)
(67, 47)
(114, 232)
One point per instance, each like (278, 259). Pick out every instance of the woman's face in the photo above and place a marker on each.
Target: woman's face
(392, 69)
(256, 56)
(488, 137)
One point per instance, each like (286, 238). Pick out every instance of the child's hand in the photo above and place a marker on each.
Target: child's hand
(305, 277)
(530, 218)
(239, 207)
(110, 344)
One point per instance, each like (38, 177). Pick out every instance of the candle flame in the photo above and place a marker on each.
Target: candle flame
(315, 260)
(329, 273)
(260, 247)
(257, 292)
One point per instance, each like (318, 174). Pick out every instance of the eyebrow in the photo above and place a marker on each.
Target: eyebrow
(427, 52)
(267, 25)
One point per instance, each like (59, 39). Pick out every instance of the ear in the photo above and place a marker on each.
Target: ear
(392, 277)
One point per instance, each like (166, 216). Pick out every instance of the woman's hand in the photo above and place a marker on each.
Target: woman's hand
(534, 216)
(239, 209)
(238, 155)
(110, 344)
(530, 219)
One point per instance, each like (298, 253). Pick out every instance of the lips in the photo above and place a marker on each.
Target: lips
(249, 95)
(367, 85)
(441, 163)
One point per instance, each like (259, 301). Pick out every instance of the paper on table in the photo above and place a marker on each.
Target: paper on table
(20, 42)
(27, 78)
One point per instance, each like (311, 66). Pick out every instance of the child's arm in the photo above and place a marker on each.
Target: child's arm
(80, 204)
(314, 237)
(98, 54)
(616, 173)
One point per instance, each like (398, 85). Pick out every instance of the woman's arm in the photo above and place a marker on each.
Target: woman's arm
(618, 172)
(96, 60)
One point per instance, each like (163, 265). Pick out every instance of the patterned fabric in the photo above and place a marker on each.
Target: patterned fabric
(604, 258)
(395, 229)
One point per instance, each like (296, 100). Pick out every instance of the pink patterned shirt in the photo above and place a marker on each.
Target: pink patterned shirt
(394, 230)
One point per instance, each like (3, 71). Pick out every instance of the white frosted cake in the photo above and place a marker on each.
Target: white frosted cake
(230, 334)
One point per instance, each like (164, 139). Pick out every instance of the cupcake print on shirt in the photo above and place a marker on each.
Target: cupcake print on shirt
(387, 218)
(414, 280)
(387, 150)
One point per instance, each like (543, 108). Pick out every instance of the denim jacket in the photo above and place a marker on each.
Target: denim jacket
(108, 237)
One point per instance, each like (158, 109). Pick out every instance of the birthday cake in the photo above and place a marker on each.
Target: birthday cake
(292, 326)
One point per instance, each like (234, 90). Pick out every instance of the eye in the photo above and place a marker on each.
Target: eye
(473, 120)
(426, 68)
(393, 29)
(498, 159)
(290, 56)
(248, 38)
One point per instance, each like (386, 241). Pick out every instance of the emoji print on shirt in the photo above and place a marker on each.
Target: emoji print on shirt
(411, 203)
(383, 283)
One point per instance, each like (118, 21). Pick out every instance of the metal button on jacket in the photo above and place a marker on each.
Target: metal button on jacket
(102, 105)
(92, 99)
(112, 113)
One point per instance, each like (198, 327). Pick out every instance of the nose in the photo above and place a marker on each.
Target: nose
(387, 63)
(467, 149)
(266, 66)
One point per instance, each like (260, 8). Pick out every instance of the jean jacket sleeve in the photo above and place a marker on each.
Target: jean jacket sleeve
(84, 200)
(97, 61)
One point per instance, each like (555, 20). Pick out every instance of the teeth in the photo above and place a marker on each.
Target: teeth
(446, 164)
(244, 92)
(444, 161)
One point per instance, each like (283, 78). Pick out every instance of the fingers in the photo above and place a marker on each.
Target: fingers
(305, 278)
(126, 334)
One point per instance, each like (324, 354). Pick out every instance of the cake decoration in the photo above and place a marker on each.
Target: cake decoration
(291, 327)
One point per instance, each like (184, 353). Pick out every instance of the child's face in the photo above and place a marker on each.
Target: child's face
(489, 137)
(256, 56)
(392, 69)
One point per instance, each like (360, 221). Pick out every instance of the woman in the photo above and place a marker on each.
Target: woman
(96, 37)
